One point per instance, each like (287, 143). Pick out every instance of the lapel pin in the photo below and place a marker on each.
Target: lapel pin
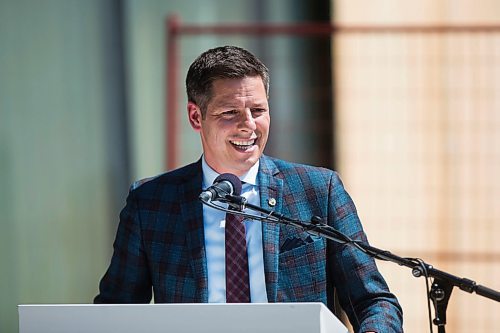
(271, 202)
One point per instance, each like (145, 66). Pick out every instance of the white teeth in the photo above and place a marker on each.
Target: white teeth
(243, 143)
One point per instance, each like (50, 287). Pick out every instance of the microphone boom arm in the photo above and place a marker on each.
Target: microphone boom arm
(443, 282)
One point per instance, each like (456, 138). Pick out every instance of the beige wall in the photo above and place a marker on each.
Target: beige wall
(418, 142)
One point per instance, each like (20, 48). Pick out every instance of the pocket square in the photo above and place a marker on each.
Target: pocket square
(294, 242)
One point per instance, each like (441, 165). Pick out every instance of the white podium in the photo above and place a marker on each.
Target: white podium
(179, 318)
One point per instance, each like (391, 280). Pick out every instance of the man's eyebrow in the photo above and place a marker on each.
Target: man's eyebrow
(224, 104)
(260, 104)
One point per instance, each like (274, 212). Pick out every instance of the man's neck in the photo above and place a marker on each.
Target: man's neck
(209, 174)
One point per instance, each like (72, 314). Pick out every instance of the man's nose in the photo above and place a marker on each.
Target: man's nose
(247, 120)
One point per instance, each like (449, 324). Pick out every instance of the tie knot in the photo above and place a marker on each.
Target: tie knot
(233, 218)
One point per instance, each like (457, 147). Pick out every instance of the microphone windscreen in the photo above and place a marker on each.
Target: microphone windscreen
(234, 180)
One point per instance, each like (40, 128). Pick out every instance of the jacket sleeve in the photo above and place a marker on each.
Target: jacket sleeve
(363, 293)
(127, 279)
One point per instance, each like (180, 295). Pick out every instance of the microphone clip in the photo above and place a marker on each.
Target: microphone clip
(236, 202)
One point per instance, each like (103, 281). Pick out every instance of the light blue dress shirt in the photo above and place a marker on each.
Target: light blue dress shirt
(213, 222)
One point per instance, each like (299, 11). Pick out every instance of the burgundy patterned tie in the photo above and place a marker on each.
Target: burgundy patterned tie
(237, 281)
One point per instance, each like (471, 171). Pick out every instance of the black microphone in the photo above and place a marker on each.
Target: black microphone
(226, 185)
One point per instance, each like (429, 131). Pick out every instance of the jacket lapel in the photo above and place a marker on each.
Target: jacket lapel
(271, 187)
(192, 213)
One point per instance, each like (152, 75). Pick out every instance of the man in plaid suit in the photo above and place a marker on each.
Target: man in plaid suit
(167, 242)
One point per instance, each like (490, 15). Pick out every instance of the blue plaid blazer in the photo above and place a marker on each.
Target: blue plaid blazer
(159, 246)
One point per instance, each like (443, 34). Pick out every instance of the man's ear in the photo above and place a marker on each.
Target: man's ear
(194, 115)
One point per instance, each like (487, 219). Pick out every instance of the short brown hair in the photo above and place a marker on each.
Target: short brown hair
(225, 62)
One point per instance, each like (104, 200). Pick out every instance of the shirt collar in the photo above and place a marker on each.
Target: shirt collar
(210, 174)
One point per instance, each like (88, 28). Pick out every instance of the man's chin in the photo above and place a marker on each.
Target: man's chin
(242, 166)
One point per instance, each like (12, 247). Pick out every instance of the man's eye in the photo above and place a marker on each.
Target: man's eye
(258, 110)
(229, 112)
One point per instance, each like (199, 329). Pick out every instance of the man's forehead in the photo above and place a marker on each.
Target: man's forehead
(228, 92)
(222, 100)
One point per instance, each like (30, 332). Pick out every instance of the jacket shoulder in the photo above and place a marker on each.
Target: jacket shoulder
(288, 169)
(174, 177)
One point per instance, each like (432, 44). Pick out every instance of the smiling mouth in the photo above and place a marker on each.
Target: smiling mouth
(243, 145)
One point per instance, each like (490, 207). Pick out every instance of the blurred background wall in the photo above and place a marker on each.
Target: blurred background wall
(64, 164)
(410, 120)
